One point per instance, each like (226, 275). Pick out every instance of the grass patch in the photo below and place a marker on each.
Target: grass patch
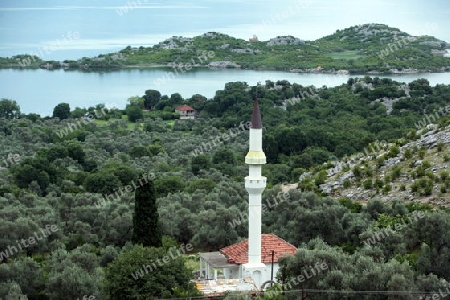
(170, 122)
(101, 122)
(130, 125)
(350, 54)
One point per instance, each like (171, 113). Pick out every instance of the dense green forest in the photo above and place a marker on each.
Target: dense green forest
(79, 169)
(358, 49)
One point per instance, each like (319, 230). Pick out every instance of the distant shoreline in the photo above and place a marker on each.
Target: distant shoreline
(163, 66)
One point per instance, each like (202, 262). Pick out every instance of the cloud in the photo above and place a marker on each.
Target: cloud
(112, 43)
(102, 7)
(97, 44)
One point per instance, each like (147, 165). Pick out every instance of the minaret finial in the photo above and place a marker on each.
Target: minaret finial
(256, 116)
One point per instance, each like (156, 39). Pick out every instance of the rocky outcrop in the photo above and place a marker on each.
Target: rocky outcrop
(368, 30)
(223, 64)
(388, 102)
(431, 43)
(363, 85)
(175, 42)
(285, 40)
(215, 35)
(318, 70)
(429, 138)
(246, 51)
(404, 71)
(439, 52)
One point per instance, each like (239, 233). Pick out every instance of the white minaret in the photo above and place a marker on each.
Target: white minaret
(255, 185)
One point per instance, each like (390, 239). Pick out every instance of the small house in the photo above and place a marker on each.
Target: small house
(253, 39)
(186, 112)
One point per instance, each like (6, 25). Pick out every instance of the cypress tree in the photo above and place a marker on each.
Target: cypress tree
(146, 230)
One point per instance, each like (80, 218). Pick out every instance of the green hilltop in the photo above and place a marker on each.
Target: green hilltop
(364, 48)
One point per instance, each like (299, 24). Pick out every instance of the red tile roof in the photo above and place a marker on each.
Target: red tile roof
(238, 253)
(184, 107)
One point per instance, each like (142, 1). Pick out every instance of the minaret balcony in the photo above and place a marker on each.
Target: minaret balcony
(255, 158)
(255, 184)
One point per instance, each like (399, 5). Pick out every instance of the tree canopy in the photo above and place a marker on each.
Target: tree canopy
(61, 111)
(9, 109)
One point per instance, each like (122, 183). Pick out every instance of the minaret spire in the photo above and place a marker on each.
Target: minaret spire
(256, 116)
(255, 185)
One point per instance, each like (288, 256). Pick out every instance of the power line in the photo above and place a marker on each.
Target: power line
(363, 292)
(314, 291)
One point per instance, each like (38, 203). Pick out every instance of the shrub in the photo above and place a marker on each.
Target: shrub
(379, 183)
(394, 151)
(380, 162)
(396, 172)
(428, 189)
(386, 189)
(426, 164)
(134, 113)
(357, 171)
(306, 185)
(421, 153)
(367, 184)
(422, 186)
(408, 153)
(430, 175)
(139, 151)
(103, 182)
(412, 135)
(347, 183)
(420, 171)
(353, 206)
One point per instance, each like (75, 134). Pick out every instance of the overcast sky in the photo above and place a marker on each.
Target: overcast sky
(104, 26)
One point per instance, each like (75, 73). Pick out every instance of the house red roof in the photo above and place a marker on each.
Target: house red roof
(238, 253)
(184, 107)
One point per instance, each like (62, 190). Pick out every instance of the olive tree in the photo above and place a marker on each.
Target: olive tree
(9, 109)
(136, 274)
(61, 111)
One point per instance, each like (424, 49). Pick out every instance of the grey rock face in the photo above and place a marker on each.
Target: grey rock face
(285, 40)
(223, 64)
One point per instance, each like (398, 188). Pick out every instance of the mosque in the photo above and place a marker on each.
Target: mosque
(252, 263)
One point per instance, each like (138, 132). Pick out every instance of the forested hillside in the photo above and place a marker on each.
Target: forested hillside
(357, 49)
(78, 170)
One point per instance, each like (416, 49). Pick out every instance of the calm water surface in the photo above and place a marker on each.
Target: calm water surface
(39, 91)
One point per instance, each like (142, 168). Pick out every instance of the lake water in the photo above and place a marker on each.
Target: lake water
(39, 91)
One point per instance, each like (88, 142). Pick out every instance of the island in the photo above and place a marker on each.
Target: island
(360, 49)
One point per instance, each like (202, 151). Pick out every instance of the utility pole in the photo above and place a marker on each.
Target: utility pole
(271, 271)
(303, 294)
